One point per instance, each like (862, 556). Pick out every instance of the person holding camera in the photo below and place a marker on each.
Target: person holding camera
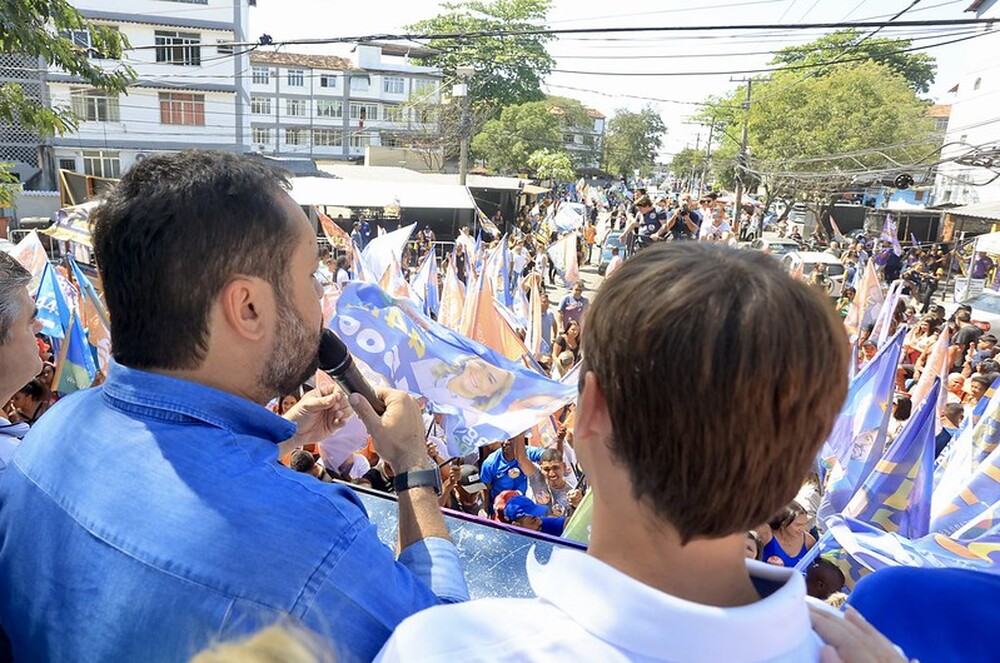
(684, 224)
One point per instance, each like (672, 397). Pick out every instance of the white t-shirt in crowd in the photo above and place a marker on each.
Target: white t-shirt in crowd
(714, 232)
(519, 260)
(342, 277)
(586, 610)
(613, 264)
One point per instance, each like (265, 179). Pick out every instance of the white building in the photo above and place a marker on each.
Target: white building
(191, 88)
(586, 143)
(331, 108)
(974, 121)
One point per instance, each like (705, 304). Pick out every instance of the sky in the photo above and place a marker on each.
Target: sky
(606, 59)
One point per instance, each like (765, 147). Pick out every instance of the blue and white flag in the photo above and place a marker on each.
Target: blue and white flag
(484, 396)
(856, 441)
(974, 498)
(53, 311)
(896, 496)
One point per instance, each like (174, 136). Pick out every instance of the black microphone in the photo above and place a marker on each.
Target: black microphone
(337, 362)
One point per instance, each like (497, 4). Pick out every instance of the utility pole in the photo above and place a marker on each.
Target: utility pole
(708, 157)
(741, 160)
(461, 90)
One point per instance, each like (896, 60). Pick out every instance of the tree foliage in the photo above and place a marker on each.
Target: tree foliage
(687, 161)
(36, 28)
(811, 135)
(508, 70)
(632, 141)
(507, 142)
(917, 68)
(553, 165)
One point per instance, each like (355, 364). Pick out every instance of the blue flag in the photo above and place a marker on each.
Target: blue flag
(856, 441)
(78, 369)
(53, 311)
(896, 496)
(484, 396)
(976, 497)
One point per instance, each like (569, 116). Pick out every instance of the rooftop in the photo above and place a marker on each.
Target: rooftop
(939, 110)
(302, 60)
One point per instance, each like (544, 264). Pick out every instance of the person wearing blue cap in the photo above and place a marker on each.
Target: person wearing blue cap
(523, 512)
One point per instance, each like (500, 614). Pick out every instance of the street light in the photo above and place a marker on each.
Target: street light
(461, 91)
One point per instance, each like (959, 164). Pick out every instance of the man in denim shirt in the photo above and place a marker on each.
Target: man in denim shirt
(148, 518)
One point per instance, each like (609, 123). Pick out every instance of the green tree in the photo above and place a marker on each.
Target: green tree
(38, 29)
(632, 141)
(917, 68)
(552, 165)
(506, 142)
(688, 161)
(809, 136)
(508, 70)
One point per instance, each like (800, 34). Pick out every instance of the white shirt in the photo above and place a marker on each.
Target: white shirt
(520, 259)
(709, 230)
(586, 610)
(613, 264)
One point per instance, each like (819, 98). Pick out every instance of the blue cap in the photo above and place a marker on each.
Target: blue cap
(520, 506)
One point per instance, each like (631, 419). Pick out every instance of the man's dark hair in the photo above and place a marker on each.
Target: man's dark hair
(34, 389)
(550, 455)
(706, 311)
(13, 279)
(168, 238)
(963, 315)
(301, 461)
(982, 380)
(953, 412)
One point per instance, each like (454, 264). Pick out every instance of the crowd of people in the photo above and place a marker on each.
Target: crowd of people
(176, 484)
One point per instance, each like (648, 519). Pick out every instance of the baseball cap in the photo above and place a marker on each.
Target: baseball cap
(520, 506)
(469, 479)
(988, 337)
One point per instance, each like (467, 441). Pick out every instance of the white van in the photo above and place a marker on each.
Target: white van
(804, 263)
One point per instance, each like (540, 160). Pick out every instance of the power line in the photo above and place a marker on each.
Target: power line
(542, 31)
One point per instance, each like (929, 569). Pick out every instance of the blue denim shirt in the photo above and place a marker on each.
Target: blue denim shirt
(148, 518)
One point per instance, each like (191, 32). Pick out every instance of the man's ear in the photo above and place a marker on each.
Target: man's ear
(592, 418)
(246, 304)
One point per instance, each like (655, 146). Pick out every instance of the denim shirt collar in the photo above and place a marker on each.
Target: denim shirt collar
(173, 399)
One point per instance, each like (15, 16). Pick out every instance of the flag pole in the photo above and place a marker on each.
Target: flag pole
(62, 353)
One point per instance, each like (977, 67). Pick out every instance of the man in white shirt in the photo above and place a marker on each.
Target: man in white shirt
(716, 228)
(614, 263)
(19, 360)
(677, 482)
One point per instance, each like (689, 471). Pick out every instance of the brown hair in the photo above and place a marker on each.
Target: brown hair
(643, 201)
(722, 376)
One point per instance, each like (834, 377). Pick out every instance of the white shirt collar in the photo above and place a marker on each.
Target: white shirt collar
(635, 617)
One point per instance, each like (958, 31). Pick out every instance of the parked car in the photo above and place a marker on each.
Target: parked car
(612, 240)
(804, 263)
(775, 246)
(985, 310)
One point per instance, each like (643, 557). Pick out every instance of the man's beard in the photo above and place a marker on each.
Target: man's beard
(294, 356)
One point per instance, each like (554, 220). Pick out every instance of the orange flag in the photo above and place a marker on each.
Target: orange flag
(336, 235)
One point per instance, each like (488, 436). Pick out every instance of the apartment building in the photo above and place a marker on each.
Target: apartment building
(191, 88)
(332, 108)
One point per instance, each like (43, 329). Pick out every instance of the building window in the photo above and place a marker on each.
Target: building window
(963, 138)
(99, 163)
(577, 139)
(295, 107)
(295, 136)
(83, 39)
(361, 83)
(183, 48)
(296, 77)
(327, 138)
(261, 135)
(67, 164)
(182, 108)
(941, 124)
(95, 106)
(360, 140)
(260, 105)
(394, 113)
(423, 87)
(425, 115)
(224, 48)
(979, 81)
(918, 196)
(261, 75)
(326, 108)
(364, 112)
(393, 85)
(327, 80)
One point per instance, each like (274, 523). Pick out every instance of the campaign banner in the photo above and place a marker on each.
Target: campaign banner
(483, 396)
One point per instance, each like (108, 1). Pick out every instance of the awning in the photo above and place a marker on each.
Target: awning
(989, 211)
(534, 189)
(73, 224)
(370, 193)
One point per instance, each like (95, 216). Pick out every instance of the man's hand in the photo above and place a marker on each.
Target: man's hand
(319, 414)
(398, 434)
(574, 496)
(851, 639)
